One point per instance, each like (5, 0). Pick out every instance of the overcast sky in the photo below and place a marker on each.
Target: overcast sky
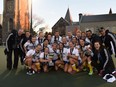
(52, 10)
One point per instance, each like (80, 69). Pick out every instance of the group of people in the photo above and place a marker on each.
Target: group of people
(71, 53)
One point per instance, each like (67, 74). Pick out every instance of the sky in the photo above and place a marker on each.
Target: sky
(52, 10)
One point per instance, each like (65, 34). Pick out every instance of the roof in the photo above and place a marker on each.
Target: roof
(98, 18)
(68, 16)
(59, 21)
(75, 23)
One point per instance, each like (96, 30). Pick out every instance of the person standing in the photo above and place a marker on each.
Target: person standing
(17, 48)
(56, 38)
(10, 47)
(108, 40)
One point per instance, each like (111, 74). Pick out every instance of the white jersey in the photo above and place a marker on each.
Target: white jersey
(54, 53)
(66, 45)
(74, 52)
(57, 40)
(34, 55)
(64, 54)
(43, 56)
(69, 38)
(49, 46)
(28, 45)
(40, 41)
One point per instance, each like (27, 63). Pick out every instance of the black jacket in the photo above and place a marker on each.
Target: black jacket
(10, 41)
(105, 60)
(110, 41)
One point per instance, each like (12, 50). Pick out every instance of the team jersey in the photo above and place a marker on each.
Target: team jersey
(44, 56)
(49, 46)
(30, 45)
(63, 54)
(75, 52)
(56, 40)
(54, 53)
(34, 55)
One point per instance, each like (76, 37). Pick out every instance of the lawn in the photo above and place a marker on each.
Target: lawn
(18, 78)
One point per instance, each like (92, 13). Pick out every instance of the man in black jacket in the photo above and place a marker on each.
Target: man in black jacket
(9, 48)
(17, 49)
(108, 40)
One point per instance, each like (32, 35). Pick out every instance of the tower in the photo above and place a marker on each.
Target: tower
(68, 16)
(15, 16)
(8, 16)
(110, 11)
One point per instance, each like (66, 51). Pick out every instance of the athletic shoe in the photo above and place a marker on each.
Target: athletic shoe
(91, 73)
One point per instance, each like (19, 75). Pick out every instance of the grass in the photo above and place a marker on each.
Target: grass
(18, 78)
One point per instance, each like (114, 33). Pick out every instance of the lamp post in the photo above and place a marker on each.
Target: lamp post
(31, 29)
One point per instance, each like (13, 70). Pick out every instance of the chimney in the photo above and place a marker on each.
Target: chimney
(80, 16)
(110, 11)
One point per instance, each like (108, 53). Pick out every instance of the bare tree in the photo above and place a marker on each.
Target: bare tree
(37, 21)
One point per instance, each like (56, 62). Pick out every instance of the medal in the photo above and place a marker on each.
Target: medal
(98, 61)
(103, 44)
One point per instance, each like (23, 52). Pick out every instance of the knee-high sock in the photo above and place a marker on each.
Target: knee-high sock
(90, 67)
(38, 66)
(74, 68)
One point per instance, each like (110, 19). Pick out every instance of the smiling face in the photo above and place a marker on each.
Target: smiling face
(60, 45)
(71, 45)
(82, 42)
(102, 32)
(33, 39)
(46, 50)
(38, 48)
(97, 45)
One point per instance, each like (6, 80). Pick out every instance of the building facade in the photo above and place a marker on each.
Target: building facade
(15, 16)
(1, 18)
(93, 22)
(64, 25)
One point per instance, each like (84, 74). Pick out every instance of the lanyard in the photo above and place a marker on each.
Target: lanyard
(45, 56)
(40, 40)
(71, 51)
(56, 39)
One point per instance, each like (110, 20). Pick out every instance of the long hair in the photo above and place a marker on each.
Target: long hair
(101, 46)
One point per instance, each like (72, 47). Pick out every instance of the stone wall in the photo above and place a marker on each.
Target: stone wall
(111, 25)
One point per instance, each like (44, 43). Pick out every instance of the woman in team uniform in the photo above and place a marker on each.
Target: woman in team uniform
(49, 37)
(73, 55)
(30, 44)
(54, 51)
(86, 54)
(63, 57)
(45, 44)
(45, 59)
(32, 60)
(65, 42)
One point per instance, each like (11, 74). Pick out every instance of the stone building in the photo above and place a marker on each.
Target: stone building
(63, 25)
(93, 22)
(15, 16)
(1, 18)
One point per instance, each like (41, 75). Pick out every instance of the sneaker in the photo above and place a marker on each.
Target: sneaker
(33, 72)
(91, 73)
(84, 69)
(29, 73)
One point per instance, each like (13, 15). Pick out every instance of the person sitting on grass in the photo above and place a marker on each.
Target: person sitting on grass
(86, 54)
(55, 52)
(73, 55)
(45, 59)
(102, 60)
(32, 60)
(30, 44)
